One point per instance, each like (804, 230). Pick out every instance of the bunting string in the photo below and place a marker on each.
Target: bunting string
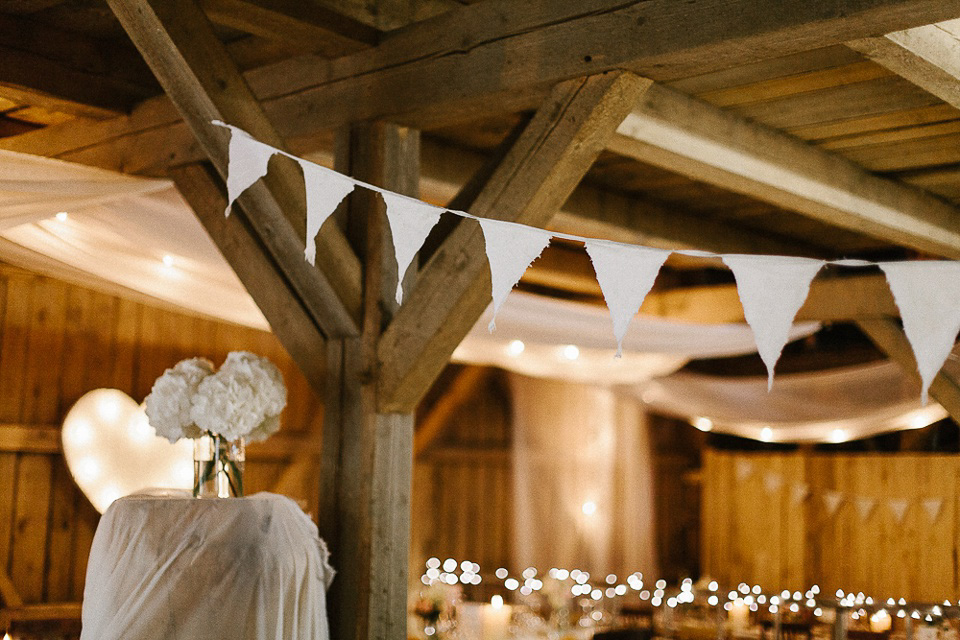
(771, 288)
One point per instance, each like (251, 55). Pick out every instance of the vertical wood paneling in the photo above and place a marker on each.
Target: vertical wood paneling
(752, 535)
(57, 342)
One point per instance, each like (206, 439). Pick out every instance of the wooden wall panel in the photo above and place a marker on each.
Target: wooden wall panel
(59, 341)
(758, 533)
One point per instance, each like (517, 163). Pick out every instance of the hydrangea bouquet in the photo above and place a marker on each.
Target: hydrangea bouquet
(218, 409)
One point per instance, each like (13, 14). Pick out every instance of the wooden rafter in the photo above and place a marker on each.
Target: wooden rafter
(889, 337)
(307, 27)
(249, 259)
(926, 56)
(458, 392)
(706, 143)
(178, 42)
(531, 183)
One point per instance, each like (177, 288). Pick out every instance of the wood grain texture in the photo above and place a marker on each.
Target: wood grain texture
(530, 185)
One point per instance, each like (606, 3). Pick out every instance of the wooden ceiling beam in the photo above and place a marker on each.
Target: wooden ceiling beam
(307, 27)
(254, 266)
(455, 396)
(532, 182)
(178, 42)
(706, 143)
(927, 56)
(61, 71)
(501, 55)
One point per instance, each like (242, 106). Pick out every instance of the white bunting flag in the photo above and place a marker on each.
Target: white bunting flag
(248, 163)
(772, 289)
(626, 274)
(933, 507)
(898, 507)
(325, 190)
(511, 248)
(832, 501)
(865, 507)
(410, 223)
(799, 493)
(927, 293)
(744, 468)
(772, 482)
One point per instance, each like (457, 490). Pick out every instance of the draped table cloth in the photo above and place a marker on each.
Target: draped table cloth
(174, 567)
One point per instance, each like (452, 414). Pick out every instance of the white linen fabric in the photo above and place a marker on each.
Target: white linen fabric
(410, 223)
(249, 160)
(583, 479)
(169, 566)
(324, 192)
(511, 248)
(841, 404)
(771, 291)
(625, 275)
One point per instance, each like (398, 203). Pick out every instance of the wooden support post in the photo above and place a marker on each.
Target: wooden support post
(367, 465)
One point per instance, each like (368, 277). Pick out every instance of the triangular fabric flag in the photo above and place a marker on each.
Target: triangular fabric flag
(248, 163)
(325, 190)
(410, 223)
(744, 468)
(772, 289)
(898, 507)
(927, 292)
(772, 482)
(511, 248)
(832, 501)
(799, 493)
(625, 274)
(865, 507)
(933, 506)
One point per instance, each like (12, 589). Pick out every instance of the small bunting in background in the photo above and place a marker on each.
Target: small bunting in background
(772, 290)
(933, 506)
(799, 493)
(626, 274)
(325, 191)
(832, 501)
(898, 508)
(511, 248)
(744, 469)
(410, 223)
(927, 292)
(865, 507)
(772, 482)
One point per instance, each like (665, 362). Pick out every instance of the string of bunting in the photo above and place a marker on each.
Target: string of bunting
(771, 288)
(833, 499)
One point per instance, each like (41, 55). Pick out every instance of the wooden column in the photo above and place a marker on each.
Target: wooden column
(366, 470)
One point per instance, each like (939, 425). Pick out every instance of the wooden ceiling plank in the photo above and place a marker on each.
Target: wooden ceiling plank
(501, 55)
(248, 258)
(179, 44)
(307, 27)
(459, 391)
(531, 184)
(693, 138)
(926, 55)
(889, 338)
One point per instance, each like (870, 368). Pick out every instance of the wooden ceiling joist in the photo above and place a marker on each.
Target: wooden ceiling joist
(531, 183)
(306, 27)
(178, 42)
(927, 56)
(693, 138)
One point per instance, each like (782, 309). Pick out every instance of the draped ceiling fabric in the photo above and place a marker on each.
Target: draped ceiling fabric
(120, 229)
(577, 445)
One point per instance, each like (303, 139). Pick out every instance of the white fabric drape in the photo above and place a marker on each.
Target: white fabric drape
(836, 405)
(583, 494)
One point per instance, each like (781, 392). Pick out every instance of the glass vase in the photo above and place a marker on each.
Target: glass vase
(218, 467)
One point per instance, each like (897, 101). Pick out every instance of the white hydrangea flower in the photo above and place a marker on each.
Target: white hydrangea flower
(243, 399)
(168, 406)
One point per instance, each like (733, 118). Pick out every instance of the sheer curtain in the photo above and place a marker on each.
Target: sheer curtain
(583, 487)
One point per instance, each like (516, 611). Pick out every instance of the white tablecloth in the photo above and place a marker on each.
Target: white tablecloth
(178, 568)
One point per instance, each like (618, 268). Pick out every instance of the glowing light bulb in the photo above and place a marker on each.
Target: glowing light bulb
(839, 435)
(589, 508)
(167, 260)
(496, 602)
(703, 424)
(766, 434)
(571, 352)
(515, 347)
(61, 217)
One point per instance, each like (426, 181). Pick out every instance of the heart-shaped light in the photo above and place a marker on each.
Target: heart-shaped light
(112, 451)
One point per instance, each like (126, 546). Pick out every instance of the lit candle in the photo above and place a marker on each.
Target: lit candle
(880, 621)
(496, 619)
(739, 615)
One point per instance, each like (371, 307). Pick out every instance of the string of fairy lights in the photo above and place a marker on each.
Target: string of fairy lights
(752, 598)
